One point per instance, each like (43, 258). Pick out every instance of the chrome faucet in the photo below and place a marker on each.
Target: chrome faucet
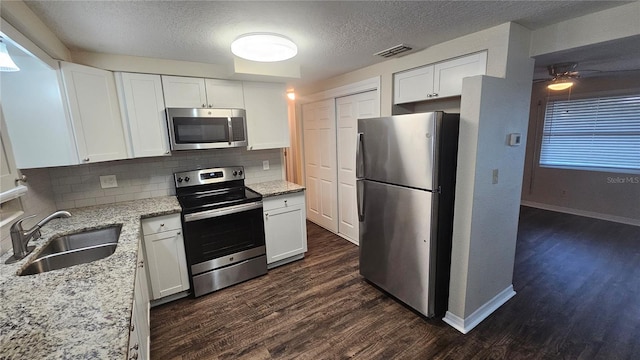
(21, 237)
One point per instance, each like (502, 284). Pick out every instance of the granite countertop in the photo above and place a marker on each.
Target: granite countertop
(83, 311)
(275, 188)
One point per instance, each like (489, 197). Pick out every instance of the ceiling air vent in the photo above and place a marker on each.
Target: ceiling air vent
(393, 51)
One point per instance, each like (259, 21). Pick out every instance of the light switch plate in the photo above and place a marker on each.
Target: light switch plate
(108, 181)
(265, 165)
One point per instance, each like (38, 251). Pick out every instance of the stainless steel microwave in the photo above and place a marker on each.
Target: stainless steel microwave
(191, 129)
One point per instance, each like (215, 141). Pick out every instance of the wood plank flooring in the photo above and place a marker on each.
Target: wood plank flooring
(578, 297)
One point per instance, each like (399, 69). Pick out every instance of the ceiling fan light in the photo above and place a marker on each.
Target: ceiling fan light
(6, 63)
(264, 47)
(560, 85)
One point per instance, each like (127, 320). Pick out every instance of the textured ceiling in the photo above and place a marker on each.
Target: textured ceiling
(333, 37)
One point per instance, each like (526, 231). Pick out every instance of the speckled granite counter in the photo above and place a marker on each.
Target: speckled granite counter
(275, 188)
(83, 311)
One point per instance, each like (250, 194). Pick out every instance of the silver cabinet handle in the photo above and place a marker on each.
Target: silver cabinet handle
(360, 196)
(266, 215)
(434, 94)
(134, 347)
(359, 156)
(85, 159)
(204, 105)
(22, 178)
(166, 152)
(134, 357)
(179, 232)
(132, 328)
(161, 225)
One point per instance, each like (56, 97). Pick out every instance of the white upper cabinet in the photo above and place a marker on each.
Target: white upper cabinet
(448, 75)
(201, 93)
(184, 92)
(224, 94)
(143, 110)
(438, 80)
(413, 85)
(95, 113)
(267, 115)
(8, 171)
(41, 135)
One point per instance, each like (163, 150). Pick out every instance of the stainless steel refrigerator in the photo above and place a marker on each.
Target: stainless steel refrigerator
(405, 171)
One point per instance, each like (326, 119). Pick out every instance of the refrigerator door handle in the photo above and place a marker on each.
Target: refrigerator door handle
(360, 199)
(359, 155)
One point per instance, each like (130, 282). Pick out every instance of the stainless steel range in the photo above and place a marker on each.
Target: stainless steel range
(223, 228)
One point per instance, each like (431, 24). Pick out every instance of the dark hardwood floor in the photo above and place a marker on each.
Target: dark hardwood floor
(578, 297)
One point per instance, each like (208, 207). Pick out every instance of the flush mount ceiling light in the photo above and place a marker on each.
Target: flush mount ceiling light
(6, 63)
(264, 47)
(560, 83)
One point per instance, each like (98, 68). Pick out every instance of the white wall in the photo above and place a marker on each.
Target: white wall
(611, 24)
(589, 193)
(78, 186)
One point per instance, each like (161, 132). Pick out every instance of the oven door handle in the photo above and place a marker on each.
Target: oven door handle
(221, 212)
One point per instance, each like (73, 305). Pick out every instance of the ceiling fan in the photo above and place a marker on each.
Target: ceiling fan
(563, 76)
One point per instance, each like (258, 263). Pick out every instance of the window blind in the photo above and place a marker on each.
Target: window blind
(599, 132)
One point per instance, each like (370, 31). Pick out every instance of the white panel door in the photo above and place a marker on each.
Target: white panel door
(413, 85)
(267, 115)
(224, 93)
(95, 112)
(184, 92)
(448, 75)
(348, 110)
(143, 110)
(320, 163)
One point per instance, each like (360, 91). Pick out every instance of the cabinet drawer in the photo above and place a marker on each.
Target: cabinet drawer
(161, 223)
(281, 201)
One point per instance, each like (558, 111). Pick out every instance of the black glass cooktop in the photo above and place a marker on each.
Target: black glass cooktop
(213, 199)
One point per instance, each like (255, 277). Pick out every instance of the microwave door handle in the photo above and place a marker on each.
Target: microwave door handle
(230, 130)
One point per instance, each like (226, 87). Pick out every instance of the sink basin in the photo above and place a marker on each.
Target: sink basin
(74, 249)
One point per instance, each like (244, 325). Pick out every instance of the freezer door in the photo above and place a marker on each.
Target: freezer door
(395, 243)
(398, 149)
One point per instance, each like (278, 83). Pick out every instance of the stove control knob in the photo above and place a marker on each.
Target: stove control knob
(179, 179)
(240, 172)
(235, 173)
(186, 178)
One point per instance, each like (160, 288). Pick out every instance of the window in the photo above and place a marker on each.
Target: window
(601, 132)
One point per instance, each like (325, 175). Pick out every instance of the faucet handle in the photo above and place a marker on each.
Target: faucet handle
(17, 226)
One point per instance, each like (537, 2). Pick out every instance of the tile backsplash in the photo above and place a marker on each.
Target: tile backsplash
(78, 186)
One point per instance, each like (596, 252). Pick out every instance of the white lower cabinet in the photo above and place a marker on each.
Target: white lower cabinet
(285, 228)
(164, 249)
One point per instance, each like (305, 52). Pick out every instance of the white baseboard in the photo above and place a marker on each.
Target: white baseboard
(591, 214)
(466, 325)
(349, 239)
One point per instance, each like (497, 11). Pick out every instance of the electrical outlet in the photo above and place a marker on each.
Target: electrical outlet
(108, 181)
(265, 165)
(495, 176)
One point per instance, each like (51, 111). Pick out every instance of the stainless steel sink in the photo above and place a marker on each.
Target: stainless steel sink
(74, 249)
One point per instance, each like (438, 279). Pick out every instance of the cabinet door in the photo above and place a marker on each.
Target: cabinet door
(413, 85)
(8, 171)
(348, 110)
(95, 113)
(319, 122)
(167, 263)
(267, 115)
(134, 341)
(448, 75)
(142, 305)
(42, 135)
(224, 94)
(285, 232)
(143, 110)
(184, 92)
